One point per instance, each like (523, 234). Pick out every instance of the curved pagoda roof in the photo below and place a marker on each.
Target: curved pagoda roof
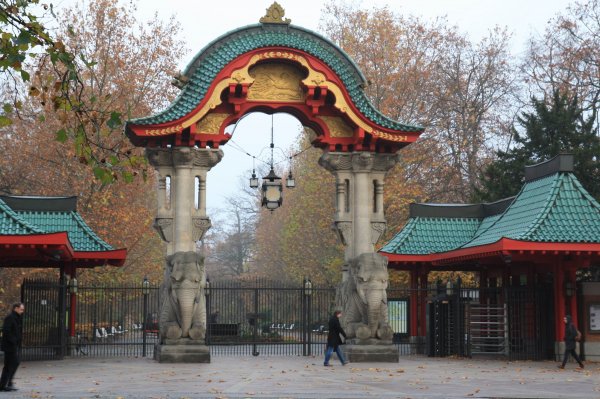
(552, 213)
(206, 69)
(40, 231)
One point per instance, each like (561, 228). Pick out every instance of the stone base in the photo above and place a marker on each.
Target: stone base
(182, 352)
(371, 353)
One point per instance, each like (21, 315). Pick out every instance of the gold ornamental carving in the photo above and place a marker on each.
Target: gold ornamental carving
(337, 127)
(164, 131)
(390, 137)
(275, 15)
(276, 82)
(211, 123)
(314, 78)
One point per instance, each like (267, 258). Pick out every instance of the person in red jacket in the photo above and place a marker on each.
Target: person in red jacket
(12, 335)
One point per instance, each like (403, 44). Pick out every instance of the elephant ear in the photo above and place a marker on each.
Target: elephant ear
(170, 259)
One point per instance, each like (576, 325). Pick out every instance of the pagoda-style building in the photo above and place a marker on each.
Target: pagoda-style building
(48, 232)
(543, 235)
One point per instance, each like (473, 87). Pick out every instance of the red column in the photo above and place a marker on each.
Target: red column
(414, 299)
(73, 301)
(423, 303)
(559, 301)
(573, 299)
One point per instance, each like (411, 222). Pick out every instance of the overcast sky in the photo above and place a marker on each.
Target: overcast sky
(204, 21)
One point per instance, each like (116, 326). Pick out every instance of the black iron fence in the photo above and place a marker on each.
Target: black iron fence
(115, 321)
(269, 318)
(44, 334)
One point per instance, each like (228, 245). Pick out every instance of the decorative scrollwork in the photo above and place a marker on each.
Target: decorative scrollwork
(275, 15)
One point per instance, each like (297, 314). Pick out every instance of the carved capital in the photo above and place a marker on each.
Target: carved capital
(362, 162)
(200, 226)
(377, 230)
(336, 161)
(159, 157)
(182, 157)
(206, 157)
(344, 231)
(384, 162)
(164, 227)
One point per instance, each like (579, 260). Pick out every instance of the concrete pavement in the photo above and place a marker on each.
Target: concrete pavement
(303, 377)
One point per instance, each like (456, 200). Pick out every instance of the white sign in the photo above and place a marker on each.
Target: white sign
(595, 317)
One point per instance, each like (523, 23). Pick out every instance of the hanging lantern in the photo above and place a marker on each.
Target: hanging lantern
(271, 191)
(253, 180)
(290, 182)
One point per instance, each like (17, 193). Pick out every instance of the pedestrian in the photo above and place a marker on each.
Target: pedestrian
(571, 334)
(12, 335)
(334, 340)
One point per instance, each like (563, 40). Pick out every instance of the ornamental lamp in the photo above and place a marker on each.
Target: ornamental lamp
(207, 287)
(307, 287)
(253, 180)
(145, 286)
(73, 285)
(290, 182)
(271, 191)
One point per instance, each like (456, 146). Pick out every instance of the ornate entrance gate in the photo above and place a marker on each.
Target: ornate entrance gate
(270, 67)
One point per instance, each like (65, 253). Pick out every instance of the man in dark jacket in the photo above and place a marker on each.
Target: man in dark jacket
(570, 334)
(12, 335)
(334, 340)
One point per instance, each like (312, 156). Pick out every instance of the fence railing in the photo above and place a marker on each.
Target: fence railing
(269, 318)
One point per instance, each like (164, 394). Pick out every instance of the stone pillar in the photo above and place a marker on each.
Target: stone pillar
(359, 217)
(181, 221)
(360, 222)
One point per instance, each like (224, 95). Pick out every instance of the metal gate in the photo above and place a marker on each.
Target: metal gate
(44, 334)
(262, 317)
(516, 322)
(489, 329)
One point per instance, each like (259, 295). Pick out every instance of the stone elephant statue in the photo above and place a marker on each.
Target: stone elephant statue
(183, 312)
(364, 298)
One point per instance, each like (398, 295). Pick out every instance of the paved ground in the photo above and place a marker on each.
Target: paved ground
(302, 377)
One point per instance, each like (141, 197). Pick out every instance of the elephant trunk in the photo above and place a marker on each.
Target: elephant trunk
(375, 299)
(186, 296)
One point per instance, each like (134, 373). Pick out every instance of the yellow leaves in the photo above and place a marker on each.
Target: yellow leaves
(34, 91)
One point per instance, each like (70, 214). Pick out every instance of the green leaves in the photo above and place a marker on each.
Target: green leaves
(115, 120)
(61, 136)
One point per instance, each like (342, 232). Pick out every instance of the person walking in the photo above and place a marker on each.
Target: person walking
(334, 340)
(571, 334)
(12, 335)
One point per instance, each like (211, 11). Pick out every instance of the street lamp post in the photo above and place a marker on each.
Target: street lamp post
(308, 294)
(145, 292)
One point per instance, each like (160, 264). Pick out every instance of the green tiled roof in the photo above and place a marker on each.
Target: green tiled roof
(425, 235)
(555, 208)
(12, 224)
(205, 66)
(52, 215)
(552, 206)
